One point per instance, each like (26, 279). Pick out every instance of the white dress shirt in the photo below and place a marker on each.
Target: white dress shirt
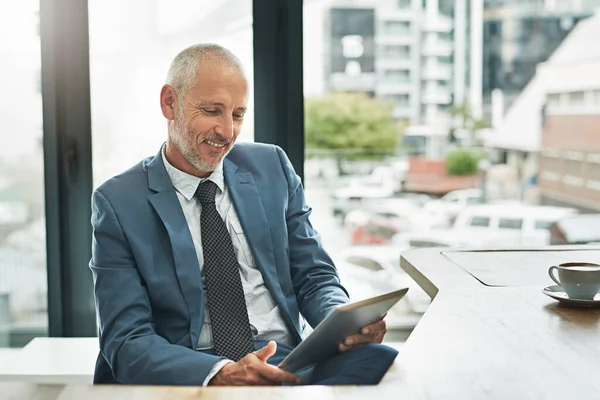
(265, 317)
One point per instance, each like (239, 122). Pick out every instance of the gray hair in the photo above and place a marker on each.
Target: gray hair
(184, 68)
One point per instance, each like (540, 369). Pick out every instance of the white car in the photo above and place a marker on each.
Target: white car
(492, 226)
(406, 213)
(453, 202)
(367, 271)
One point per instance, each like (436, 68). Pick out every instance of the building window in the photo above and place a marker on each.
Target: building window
(400, 52)
(398, 76)
(404, 4)
(574, 168)
(576, 99)
(596, 97)
(443, 84)
(397, 28)
(553, 100)
(399, 99)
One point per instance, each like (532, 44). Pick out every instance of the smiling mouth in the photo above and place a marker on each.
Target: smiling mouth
(216, 144)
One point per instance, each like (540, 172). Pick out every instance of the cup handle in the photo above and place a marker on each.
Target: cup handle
(553, 276)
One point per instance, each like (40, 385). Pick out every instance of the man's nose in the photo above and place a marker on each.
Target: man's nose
(226, 128)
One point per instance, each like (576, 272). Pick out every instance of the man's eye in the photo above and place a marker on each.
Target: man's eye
(238, 117)
(210, 111)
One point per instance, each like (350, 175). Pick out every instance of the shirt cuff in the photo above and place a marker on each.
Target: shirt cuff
(215, 370)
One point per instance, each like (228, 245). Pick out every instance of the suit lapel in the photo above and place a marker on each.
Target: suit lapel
(167, 207)
(251, 213)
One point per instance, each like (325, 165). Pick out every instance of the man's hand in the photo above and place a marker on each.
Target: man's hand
(372, 333)
(254, 370)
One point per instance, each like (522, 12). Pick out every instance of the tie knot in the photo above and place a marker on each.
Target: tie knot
(206, 192)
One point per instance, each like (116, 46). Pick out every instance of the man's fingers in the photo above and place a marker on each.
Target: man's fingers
(358, 339)
(277, 375)
(374, 328)
(266, 352)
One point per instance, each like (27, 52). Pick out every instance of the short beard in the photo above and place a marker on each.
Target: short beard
(183, 140)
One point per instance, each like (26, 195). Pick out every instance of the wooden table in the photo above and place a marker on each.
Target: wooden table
(489, 334)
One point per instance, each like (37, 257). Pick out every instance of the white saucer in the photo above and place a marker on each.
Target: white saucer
(557, 293)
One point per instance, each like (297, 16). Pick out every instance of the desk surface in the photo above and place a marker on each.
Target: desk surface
(484, 342)
(51, 360)
(474, 342)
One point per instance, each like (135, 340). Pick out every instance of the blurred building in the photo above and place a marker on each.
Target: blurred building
(569, 160)
(518, 35)
(414, 53)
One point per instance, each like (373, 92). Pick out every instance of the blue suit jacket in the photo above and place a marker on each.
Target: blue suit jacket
(147, 279)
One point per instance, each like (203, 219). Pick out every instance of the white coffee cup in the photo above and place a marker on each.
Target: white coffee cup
(580, 280)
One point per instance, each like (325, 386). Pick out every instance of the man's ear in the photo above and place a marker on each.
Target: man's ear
(168, 102)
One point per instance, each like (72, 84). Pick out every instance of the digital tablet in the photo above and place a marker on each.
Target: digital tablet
(344, 321)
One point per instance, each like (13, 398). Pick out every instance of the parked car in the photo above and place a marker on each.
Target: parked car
(453, 202)
(379, 185)
(576, 229)
(368, 271)
(375, 231)
(493, 225)
(400, 211)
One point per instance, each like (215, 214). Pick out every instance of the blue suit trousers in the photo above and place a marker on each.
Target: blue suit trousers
(365, 365)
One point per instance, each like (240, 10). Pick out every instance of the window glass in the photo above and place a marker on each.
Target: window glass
(387, 87)
(132, 44)
(23, 277)
(576, 98)
(542, 225)
(510, 223)
(480, 221)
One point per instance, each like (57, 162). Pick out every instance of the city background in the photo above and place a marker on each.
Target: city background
(464, 123)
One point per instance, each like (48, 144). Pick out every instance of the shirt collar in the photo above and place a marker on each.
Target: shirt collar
(187, 184)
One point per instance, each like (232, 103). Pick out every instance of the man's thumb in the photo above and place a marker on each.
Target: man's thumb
(266, 352)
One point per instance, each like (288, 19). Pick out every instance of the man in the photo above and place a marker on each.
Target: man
(206, 267)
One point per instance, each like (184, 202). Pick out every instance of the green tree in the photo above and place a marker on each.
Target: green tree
(462, 162)
(350, 121)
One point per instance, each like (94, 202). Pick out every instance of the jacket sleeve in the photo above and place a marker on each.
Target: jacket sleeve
(135, 353)
(314, 276)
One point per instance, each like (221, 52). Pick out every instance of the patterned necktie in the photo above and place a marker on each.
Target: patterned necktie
(231, 330)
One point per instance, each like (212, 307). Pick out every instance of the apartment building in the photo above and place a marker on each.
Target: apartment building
(518, 35)
(569, 160)
(415, 53)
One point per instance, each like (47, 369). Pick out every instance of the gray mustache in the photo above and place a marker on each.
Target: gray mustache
(218, 139)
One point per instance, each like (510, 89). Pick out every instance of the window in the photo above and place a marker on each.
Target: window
(131, 46)
(399, 99)
(397, 52)
(510, 223)
(474, 200)
(483, 222)
(542, 225)
(576, 98)
(596, 97)
(404, 4)
(402, 76)
(23, 276)
(396, 27)
(379, 231)
(450, 198)
(554, 100)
